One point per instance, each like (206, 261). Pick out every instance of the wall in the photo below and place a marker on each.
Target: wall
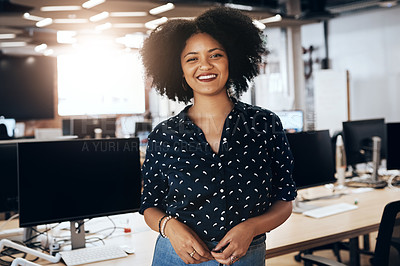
(367, 44)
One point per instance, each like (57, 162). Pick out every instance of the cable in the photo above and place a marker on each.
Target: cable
(8, 220)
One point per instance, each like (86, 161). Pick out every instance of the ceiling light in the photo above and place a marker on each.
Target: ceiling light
(70, 20)
(59, 8)
(100, 16)
(259, 25)
(12, 44)
(154, 23)
(48, 52)
(128, 25)
(104, 26)
(40, 48)
(128, 14)
(7, 36)
(92, 3)
(387, 3)
(66, 36)
(161, 9)
(44, 22)
(30, 17)
(131, 40)
(240, 7)
(275, 18)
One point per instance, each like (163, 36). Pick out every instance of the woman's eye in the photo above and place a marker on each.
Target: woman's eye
(191, 59)
(216, 55)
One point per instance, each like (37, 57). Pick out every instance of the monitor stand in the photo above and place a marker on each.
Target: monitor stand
(29, 234)
(77, 234)
(373, 180)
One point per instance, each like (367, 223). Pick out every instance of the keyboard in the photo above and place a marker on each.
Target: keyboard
(321, 212)
(92, 254)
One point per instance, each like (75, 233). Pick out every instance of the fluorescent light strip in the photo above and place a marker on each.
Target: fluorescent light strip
(100, 16)
(44, 22)
(59, 8)
(30, 17)
(275, 18)
(154, 23)
(40, 47)
(92, 3)
(104, 26)
(259, 25)
(128, 14)
(128, 25)
(4, 36)
(48, 52)
(161, 9)
(240, 7)
(70, 20)
(12, 44)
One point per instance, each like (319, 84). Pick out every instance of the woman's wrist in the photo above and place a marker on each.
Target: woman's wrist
(168, 229)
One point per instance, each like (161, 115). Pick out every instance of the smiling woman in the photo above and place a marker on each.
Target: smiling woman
(217, 176)
(107, 84)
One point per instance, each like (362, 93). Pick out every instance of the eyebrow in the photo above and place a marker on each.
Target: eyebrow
(210, 51)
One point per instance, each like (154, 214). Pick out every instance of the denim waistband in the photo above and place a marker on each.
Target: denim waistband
(256, 240)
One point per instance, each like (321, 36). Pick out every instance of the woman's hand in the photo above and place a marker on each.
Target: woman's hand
(234, 244)
(189, 247)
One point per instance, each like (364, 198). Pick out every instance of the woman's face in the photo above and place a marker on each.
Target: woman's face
(205, 65)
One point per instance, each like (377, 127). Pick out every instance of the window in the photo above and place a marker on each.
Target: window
(93, 84)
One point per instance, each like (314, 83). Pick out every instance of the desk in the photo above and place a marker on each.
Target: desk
(297, 233)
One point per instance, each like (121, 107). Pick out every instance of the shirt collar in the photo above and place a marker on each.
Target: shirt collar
(237, 106)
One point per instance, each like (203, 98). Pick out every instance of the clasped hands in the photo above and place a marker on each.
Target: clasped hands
(192, 250)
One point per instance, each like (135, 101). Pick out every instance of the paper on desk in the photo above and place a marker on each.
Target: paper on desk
(361, 190)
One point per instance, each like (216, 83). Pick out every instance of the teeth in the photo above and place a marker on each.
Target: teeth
(207, 77)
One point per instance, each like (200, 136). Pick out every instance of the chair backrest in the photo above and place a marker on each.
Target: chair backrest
(382, 248)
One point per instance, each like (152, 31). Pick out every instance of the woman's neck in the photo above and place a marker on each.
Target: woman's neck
(217, 105)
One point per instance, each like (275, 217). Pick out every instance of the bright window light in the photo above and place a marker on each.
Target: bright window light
(89, 84)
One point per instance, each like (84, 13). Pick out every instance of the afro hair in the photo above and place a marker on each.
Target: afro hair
(234, 30)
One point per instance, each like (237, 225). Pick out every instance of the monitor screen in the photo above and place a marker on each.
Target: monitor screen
(393, 146)
(8, 177)
(84, 128)
(292, 121)
(77, 179)
(27, 86)
(357, 136)
(313, 160)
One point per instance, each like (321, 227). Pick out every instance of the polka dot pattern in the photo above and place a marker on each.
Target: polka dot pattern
(212, 192)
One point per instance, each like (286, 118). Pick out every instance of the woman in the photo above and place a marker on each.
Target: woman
(217, 176)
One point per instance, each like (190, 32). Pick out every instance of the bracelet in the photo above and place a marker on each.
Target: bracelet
(162, 231)
(159, 223)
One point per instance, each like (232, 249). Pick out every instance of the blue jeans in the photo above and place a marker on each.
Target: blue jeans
(165, 255)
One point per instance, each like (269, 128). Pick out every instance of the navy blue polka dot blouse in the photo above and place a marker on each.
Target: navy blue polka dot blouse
(212, 192)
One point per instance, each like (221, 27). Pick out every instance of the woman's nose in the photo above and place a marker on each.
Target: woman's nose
(205, 65)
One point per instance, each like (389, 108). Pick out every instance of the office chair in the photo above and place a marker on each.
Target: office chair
(383, 242)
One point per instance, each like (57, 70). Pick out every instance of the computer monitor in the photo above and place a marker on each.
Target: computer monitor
(393, 146)
(313, 161)
(77, 179)
(357, 136)
(292, 121)
(84, 127)
(8, 177)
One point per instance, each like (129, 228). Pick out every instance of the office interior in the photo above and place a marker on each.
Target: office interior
(332, 64)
